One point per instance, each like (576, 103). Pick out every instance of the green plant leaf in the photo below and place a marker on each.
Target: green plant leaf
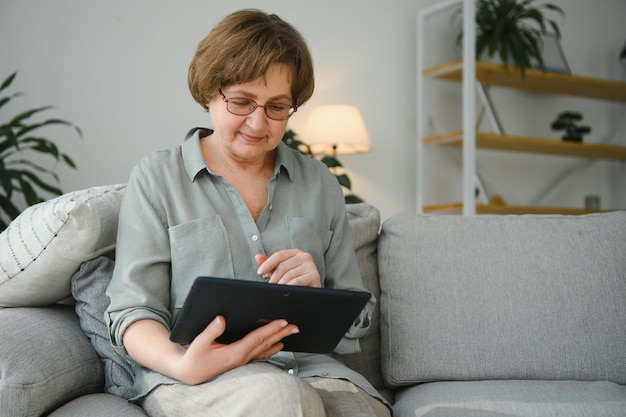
(289, 138)
(555, 29)
(331, 162)
(5, 183)
(68, 161)
(570, 115)
(23, 130)
(35, 180)
(344, 181)
(17, 120)
(30, 195)
(9, 209)
(533, 45)
(352, 199)
(41, 145)
(7, 82)
(4, 100)
(16, 165)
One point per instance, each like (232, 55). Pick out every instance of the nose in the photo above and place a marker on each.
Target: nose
(257, 118)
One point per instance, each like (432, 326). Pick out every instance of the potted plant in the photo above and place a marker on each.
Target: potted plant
(20, 176)
(567, 121)
(289, 138)
(512, 29)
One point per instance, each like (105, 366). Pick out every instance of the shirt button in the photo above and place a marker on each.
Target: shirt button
(291, 371)
(254, 238)
(324, 373)
(271, 206)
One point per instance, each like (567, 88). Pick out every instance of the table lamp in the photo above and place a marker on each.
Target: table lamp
(336, 130)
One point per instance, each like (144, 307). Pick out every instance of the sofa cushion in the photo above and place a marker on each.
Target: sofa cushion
(365, 222)
(503, 297)
(89, 286)
(46, 243)
(99, 405)
(512, 398)
(45, 360)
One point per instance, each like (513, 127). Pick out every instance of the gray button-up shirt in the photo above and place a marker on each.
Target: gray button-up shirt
(179, 220)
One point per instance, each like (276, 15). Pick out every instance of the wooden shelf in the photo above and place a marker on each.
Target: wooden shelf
(455, 208)
(536, 81)
(533, 145)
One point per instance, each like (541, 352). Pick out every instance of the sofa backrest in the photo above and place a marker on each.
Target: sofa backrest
(503, 297)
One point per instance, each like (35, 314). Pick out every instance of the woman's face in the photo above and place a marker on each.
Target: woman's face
(249, 138)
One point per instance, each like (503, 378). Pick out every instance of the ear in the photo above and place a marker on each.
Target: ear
(210, 98)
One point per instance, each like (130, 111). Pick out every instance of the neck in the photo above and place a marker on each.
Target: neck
(224, 162)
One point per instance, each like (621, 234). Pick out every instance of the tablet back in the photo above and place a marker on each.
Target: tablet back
(323, 315)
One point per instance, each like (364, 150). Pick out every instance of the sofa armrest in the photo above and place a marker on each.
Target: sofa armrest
(45, 360)
(365, 223)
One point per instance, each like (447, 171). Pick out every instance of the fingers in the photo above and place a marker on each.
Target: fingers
(206, 358)
(215, 329)
(260, 258)
(291, 266)
(266, 340)
(207, 337)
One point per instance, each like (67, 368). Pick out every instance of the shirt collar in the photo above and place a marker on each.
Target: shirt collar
(194, 162)
(285, 160)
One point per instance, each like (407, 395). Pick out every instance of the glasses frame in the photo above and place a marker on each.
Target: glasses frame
(292, 109)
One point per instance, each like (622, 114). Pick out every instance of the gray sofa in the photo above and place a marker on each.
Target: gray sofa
(478, 316)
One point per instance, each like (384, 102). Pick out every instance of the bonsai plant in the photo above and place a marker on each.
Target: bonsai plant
(289, 138)
(20, 176)
(567, 121)
(512, 29)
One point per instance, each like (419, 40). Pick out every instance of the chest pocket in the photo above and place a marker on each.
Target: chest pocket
(309, 237)
(199, 247)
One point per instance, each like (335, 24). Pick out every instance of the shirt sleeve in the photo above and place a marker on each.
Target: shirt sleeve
(140, 285)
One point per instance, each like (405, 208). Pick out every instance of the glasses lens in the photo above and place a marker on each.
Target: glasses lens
(240, 106)
(278, 111)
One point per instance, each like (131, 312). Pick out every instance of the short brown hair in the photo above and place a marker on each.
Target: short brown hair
(242, 47)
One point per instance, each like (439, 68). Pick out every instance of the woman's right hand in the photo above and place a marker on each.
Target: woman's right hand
(205, 356)
(147, 341)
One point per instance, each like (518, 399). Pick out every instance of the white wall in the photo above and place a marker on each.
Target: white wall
(118, 70)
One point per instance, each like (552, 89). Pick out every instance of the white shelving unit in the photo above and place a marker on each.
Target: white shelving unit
(473, 75)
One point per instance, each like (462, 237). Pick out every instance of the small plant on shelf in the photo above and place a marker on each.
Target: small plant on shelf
(567, 121)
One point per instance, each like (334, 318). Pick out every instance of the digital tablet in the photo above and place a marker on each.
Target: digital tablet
(323, 315)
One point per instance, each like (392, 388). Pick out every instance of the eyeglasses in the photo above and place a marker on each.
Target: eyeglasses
(241, 106)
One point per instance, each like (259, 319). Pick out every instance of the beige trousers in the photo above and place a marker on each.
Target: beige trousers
(262, 390)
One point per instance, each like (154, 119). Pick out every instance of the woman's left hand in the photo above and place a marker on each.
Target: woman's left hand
(289, 266)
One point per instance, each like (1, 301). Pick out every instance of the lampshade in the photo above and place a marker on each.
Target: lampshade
(336, 130)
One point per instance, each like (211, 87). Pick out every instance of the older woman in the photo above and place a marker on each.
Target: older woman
(234, 202)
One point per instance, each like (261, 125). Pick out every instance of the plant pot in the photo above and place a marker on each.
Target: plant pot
(569, 138)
